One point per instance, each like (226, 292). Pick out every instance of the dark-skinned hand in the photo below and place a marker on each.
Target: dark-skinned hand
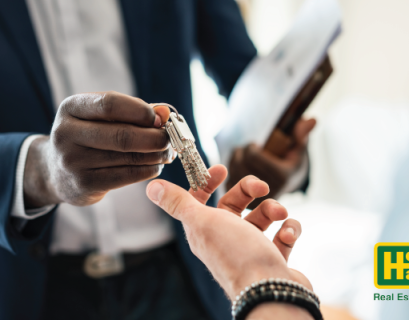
(99, 142)
(276, 171)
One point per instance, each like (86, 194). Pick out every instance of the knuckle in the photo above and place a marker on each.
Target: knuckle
(250, 154)
(233, 207)
(140, 101)
(154, 171)
(245, 186)
(72, 105)
(162, 142)
(294, 223)
(111, 156)
(116, 177)
(236, 160)
(67, 104)
(146, 111)
(86, 180)
(124, 139)
(250, 177)
(273, 206)
(107, 103)
(133, 171)
(68, 160)
(135, 158)
(166, 156)
(144, 172)
(267, 211)
(59, 136)
(248, 149)
(282, 210)
(266, 205)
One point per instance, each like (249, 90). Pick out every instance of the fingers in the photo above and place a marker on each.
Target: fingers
(287, 236)
(176, 201)
(266, 213)
(218, 175)
(111, 106)
(301, 132)
(257, 159)
(112, 136)
(102, 158)
(237, 169)
(101, 180)
(302, 129)
(242, 194)
(273, 170)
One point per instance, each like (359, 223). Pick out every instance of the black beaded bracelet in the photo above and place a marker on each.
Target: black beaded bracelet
(275, 290)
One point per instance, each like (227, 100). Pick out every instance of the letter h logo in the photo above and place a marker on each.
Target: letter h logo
(391, 264)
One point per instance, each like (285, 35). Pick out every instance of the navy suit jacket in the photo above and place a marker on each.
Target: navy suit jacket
(163, 36)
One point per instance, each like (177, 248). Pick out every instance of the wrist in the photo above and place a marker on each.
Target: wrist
(245, 279)
(38, 190)
(280, 311)
(276, 291)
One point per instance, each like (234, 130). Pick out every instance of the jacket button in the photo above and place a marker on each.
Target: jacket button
(37, 251)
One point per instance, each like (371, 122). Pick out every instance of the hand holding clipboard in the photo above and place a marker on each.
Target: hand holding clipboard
(272, 94)
(281, 140)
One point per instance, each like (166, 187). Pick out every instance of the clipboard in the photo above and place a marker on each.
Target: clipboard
(280, 140)
(274, 90)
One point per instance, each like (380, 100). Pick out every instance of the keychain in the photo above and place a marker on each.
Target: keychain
(183, 142)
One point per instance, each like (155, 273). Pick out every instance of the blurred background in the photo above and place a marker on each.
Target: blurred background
(358, 150)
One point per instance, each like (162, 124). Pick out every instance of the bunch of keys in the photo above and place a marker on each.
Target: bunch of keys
(183, 142)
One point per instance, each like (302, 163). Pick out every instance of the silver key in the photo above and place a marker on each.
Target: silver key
(183, 142)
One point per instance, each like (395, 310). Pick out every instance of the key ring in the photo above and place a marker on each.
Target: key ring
(169, 106)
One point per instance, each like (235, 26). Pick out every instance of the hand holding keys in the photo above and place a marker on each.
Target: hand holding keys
(183, 143)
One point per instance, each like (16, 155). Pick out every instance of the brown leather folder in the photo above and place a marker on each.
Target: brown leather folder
(281, 140)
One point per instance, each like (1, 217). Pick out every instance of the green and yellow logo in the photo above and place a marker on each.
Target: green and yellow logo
(392, 265)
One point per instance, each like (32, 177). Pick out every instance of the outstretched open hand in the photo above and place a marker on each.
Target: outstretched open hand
(235, 250)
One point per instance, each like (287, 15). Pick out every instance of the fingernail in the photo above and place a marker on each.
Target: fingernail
(158, 121)
(156, 191)
(290, 230)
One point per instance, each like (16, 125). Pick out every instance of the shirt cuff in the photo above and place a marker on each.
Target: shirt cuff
(18, 210)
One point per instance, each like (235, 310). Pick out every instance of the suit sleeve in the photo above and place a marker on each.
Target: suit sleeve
(10, 144)
(223, 42)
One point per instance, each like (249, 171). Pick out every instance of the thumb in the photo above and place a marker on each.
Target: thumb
(175, 200)
(161, 110)
(302, 129)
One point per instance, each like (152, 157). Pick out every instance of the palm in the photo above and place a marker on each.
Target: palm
(228, 245)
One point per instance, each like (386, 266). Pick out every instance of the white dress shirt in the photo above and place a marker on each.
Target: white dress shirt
(84, 49)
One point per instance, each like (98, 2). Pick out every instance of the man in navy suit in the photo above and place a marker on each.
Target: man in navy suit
(56, 158)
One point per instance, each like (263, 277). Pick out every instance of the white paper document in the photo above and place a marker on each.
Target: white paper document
(269, 83)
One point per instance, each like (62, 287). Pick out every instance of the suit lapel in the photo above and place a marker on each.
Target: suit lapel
(16, 24)
(137, 20)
